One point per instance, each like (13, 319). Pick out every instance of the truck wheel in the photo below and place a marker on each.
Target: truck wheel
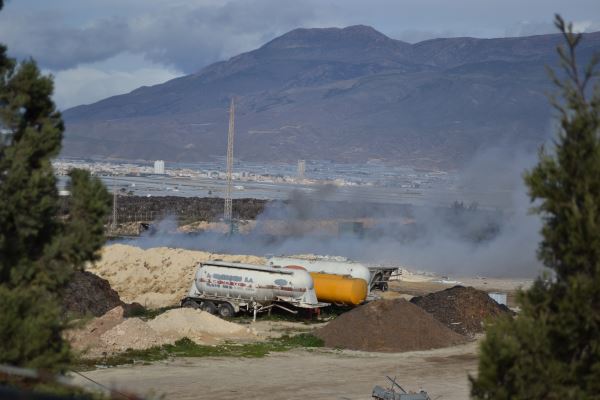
(226, 310)
(209, 307)
(189, 303)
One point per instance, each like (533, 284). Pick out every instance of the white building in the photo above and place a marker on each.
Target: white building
(301, 168)
(159, 167)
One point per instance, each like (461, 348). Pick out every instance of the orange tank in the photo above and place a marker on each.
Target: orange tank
(339, 289)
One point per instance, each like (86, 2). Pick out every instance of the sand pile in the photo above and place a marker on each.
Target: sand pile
(112, 333)
(197, 325)
(133, 333)
(462, 309)
(388, 326)
(156, 277)
(88, 336)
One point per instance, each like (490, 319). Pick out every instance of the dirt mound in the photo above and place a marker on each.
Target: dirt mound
(462, 309)
(156, 277)
(197, 325)
(388, 326)
(88, 294)
(88, 336)
(113, 332)
(133, 333)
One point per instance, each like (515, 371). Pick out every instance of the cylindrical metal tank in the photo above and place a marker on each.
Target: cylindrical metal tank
(339, 289)
(353, 269)
(253, 283)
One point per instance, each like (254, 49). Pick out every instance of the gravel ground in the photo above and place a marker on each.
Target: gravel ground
(299, 374)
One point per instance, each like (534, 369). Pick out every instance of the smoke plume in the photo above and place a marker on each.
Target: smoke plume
(464, 237)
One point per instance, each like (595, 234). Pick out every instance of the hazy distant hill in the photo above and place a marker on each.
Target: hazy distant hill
(349, 94)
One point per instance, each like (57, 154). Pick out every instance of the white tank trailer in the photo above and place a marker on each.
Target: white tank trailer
(377, 277)
(228, 288)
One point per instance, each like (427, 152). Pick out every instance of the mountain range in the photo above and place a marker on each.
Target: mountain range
(346, 95)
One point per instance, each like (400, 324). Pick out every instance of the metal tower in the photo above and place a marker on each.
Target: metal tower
(114, 216)
(227, 215)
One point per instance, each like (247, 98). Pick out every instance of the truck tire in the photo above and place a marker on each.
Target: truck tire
(209, 307)
(189, 303)
(226, 310)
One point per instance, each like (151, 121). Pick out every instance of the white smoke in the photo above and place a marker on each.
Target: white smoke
(447, 240)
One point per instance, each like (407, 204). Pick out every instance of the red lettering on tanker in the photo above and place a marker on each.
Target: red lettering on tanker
(226, 284)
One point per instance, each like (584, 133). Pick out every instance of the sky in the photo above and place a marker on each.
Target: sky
(100, 48)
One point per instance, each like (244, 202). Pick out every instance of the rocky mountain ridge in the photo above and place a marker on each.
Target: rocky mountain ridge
(347, 95)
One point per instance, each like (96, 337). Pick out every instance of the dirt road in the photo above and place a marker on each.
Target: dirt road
(301, 374)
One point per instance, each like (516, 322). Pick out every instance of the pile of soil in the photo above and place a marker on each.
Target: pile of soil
(133, 333)
(88, 294)
(462, 309)
(388, 326)
(87, 337)
(114, 332)
(196, 325)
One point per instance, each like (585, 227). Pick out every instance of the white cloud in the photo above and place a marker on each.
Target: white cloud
(186, 36)
(586, 26)
(528, 28)
(74, 39)
(92, 82)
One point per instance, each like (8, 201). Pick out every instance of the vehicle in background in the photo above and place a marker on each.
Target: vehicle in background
(376, 276)
(341, 290)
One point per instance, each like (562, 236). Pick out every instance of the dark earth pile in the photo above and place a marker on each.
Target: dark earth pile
(388, 326)
(88, 294)
(462, 309)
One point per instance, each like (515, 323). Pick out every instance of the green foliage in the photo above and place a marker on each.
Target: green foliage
(30, 329)
(551, 350)
(27, 185)
(90, 204)
(38, 250)
(187, 348)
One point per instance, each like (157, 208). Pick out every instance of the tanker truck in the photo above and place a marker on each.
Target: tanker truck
(229, 288)
(377, 277)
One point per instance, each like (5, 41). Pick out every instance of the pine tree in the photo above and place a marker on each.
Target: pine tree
(38, 251)
(551, 350)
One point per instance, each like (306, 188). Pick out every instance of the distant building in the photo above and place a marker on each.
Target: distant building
(301, 168)
(159, 167)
